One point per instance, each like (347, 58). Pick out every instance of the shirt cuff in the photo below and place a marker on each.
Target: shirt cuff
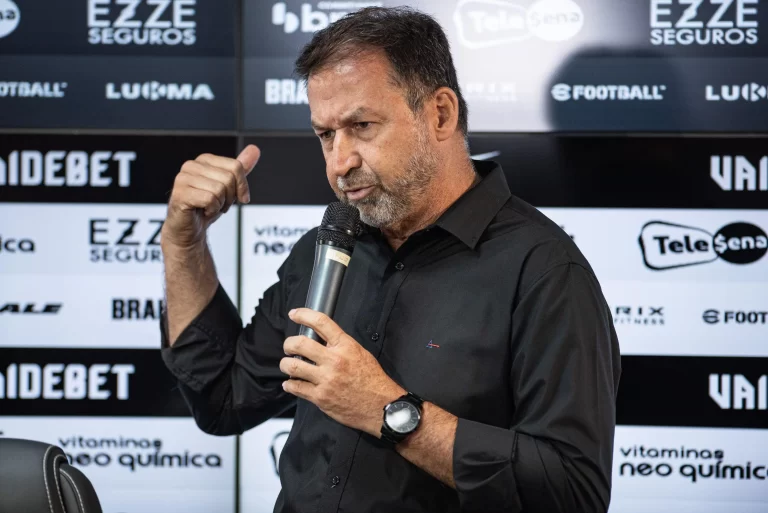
(206, 347)
(483, 467)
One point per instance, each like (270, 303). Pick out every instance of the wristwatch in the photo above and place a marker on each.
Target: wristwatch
(401, 418)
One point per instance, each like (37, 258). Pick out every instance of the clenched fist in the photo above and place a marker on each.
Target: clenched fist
(204, 189)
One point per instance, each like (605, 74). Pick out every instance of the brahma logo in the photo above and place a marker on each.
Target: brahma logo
(565, 92)
(9, 17)
(155, 91)
(732, 93)
(487, 23)
(669, 246)
(310, 20)
(286, 91)
(720, 22)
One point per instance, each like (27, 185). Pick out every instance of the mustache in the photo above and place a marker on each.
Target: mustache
(356, 179)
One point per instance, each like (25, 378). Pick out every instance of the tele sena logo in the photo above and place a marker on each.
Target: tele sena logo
(668, 246)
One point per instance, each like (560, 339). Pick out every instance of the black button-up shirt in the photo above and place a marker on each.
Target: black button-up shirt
(492, 313)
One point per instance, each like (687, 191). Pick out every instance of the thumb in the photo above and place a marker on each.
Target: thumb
(249, 157)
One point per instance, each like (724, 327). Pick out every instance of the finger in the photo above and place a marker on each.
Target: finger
(202, 168)
(306, 347)
(225, 169)
(249, 157)
(299, 369)
(302, 389)
(203, 183)
(188, 196)
(321, 323)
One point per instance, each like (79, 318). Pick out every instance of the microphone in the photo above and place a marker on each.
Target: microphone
(333, 250)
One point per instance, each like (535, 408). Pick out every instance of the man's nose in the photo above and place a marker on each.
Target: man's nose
(345, 155)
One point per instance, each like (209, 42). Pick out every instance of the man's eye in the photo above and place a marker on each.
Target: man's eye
(362, 125)
(326, 135)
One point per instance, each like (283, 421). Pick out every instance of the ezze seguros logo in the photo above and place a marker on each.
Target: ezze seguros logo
(125, 240)
(669, 246)
(142, 22)
(704, 22)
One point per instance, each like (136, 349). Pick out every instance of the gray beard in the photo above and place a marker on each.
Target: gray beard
(387, 207)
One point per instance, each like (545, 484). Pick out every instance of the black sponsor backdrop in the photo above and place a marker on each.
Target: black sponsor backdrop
(51, 27)
(674, 391)
(550, 171)
(158, 160)
(152, 390)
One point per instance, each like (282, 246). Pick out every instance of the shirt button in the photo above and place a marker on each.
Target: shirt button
(375, 337)
(399, 266)
(335, 481)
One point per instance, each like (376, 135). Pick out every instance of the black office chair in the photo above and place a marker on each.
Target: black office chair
(35, 477)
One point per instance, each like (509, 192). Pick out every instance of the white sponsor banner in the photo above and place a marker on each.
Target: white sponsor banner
(260, 450)
(118, 311)
(708, 319)
(99, 239)
(140, 465)
(689, 470)
(670, 245)
(268, 235)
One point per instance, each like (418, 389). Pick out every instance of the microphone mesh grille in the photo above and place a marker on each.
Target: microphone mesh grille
(338, 219)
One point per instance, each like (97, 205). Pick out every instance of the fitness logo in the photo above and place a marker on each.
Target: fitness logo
(639, 315)
(704, 22)
(487, 23)
(738, 173)
(669, 246)
(310, 20)
(142, 22)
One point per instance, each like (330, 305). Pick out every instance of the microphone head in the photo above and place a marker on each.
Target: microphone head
(339, 226)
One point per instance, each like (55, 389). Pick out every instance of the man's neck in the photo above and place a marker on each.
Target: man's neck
(446, 187)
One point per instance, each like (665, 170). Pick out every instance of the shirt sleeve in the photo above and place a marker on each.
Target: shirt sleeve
(228, 375)
(557, 454)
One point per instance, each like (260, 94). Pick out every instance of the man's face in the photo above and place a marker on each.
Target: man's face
(379, 155)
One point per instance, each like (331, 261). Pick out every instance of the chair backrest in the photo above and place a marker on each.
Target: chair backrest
(35, 477)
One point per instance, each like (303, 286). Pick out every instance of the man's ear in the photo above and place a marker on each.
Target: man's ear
(446, 105)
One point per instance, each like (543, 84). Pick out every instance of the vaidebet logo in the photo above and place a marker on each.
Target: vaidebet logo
(670, 246)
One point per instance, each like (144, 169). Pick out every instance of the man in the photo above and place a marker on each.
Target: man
(472, 318)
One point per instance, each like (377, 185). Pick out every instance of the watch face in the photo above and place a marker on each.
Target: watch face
(402, 417)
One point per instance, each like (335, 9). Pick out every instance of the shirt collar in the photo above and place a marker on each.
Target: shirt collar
(471, 214)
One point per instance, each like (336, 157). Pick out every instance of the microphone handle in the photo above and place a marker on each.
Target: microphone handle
(328, 273)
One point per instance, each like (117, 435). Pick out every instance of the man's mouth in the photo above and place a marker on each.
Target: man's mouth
(358, 193)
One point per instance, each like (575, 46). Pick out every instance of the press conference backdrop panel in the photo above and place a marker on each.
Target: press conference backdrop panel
(668, 202)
